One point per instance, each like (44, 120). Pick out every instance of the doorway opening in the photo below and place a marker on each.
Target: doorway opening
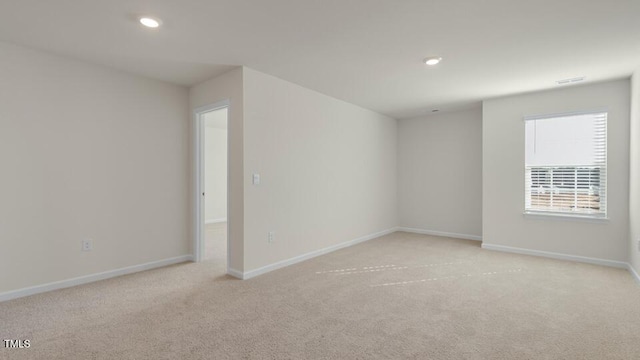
(212, 164)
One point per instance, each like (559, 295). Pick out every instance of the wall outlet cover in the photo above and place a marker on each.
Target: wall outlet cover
(87, 245)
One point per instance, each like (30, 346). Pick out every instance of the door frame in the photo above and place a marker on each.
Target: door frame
(198, 175)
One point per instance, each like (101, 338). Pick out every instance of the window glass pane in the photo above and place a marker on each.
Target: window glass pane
(565, 164)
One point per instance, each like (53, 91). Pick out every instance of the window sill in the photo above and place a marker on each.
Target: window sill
(568, 217)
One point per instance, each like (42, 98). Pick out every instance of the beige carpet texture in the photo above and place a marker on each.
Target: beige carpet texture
(400, 296)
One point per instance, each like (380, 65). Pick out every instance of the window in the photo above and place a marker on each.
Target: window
(566, 164)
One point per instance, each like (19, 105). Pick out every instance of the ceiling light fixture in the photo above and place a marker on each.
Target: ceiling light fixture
(149, 22)
(434, 60)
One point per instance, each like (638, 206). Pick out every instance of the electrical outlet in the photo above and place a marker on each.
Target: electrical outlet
(87, 245)
(270, 237)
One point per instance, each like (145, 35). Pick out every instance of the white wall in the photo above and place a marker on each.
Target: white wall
(87, 153)
(503, 174)
(634, 188)
(227, 86)
(215, 163)
(328, 170)
(438, 158)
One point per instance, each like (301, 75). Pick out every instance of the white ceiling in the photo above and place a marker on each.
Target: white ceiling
(367, 52)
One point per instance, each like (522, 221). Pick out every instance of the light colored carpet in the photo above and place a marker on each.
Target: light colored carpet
(401, 296)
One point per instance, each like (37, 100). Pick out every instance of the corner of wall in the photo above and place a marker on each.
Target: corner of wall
(229, 86)
(634, 177)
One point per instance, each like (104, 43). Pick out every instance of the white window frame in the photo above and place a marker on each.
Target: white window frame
(554, 214)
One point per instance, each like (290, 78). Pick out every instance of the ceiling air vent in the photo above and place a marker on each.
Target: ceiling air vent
(570, 81)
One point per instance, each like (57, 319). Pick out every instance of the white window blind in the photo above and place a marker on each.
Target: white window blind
(566, 164)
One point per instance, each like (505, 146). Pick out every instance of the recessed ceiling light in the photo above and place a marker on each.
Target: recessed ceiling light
(434, 60)
(149, 22)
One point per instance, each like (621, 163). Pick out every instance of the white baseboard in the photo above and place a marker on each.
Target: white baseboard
(294, 260)
(235, 273)
(215, 221)
(634, 273)
(56, 285)
(559, 256)
(441, 233)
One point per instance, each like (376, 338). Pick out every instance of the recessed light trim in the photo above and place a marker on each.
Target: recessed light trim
(432, 60)
(150, 22)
